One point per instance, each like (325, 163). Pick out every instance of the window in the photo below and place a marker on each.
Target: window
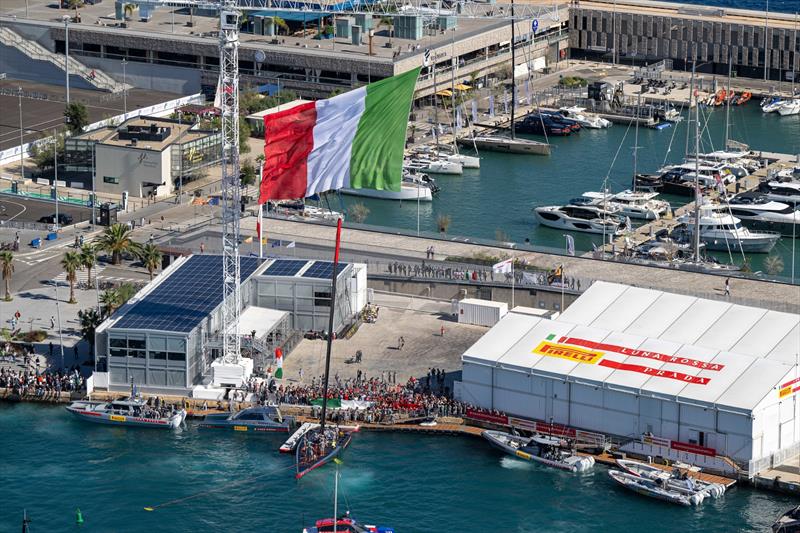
(111, 179)
(175, 356)
(136, 343)
(116, 342)
(158, 355)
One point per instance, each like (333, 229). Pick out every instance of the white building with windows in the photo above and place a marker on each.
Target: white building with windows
(707, 377)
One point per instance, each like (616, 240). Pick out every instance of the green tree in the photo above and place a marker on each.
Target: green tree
(42, 153)
(71, 263)
(89, 261)
(77, 116)
(443, 223)
(335, 92)
(279, 24)
(389, 23)
(358, 212)
(7, 265)
(89, 320)
(110, 301)
(248, 173)
(773, 265)
(128, 10)
(244, 135)
(116, 240)
(151, 257)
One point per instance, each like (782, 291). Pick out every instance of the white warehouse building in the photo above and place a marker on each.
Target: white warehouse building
(707, 376)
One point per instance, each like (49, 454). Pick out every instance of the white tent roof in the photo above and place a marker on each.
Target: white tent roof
(647, 342)
(259, 319)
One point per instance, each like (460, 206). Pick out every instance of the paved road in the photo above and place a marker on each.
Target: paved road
(21, 209)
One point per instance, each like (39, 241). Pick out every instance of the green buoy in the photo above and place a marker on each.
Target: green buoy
(78, 517)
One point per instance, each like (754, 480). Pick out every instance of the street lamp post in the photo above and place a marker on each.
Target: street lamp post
(66, 52)
(124, 87)
(21, 132)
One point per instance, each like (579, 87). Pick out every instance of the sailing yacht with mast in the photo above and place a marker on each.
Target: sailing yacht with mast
(320, 445)
(501, 143)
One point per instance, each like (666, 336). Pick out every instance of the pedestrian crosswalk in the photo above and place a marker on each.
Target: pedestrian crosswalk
(81, 276)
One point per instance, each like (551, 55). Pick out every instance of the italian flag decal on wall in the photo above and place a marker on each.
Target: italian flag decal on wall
(355, 140)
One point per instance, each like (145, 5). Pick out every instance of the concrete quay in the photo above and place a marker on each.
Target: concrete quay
(746, 291)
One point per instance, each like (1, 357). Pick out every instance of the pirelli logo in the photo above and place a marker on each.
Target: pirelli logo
(571, 353)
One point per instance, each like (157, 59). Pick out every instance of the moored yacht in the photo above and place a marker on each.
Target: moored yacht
(584, 218)
(722, 231)
(790, 107)
(259, 419)
(758, 211)
(782, 191)
(641, 205)
(499, 143)
(587, 120)
(132, 411)
(770, 105)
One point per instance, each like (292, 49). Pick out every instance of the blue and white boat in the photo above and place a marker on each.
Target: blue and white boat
(260, 419)
(132, 411)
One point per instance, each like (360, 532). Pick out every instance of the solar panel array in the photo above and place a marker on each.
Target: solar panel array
(322, 270)
(185, 298)
(285, 267)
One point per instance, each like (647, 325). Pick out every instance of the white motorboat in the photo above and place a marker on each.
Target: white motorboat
(499, 143)
(586, 120)
(641, 205)
(542, 449)
(724, 232)
(435, 166)
(584, 218)
(790, 107)
(312, 211)
(758, 211)
(771, 105)
(653, 488)
(410, 192)
(782, 191)
(132, 411)
(466, 161)
(678, 479)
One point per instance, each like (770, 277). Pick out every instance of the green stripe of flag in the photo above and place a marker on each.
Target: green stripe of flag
(376, 160)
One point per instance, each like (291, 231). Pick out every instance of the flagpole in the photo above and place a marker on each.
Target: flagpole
(260, 230)
(563, 278)
(512, 283)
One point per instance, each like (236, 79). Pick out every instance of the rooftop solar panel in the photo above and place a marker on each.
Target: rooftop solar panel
(185, 298)
(285, 267)
(322, 270)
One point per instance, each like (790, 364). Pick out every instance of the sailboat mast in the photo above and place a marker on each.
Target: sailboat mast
(336, 499)
(636, 140)
(330, 325)
(728, 103)
(453, 63)
(696, 171)
(513, 65)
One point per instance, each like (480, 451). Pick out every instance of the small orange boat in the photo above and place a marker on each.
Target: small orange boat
(744, 98)
(720, 97)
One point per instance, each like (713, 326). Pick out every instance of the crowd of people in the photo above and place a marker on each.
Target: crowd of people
(26, 383)
(378, 399)
(520, 276)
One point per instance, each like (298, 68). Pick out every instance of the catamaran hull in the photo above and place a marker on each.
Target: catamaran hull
(303, 469)
(96, 417)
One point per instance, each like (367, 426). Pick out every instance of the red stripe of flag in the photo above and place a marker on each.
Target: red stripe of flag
(289, 138)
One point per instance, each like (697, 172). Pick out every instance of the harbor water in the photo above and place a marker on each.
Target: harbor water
(495, 202)
(54, 464)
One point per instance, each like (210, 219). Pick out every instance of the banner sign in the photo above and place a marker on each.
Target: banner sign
(631, 352)
(692, 448)
(487, 417)
(584, 351)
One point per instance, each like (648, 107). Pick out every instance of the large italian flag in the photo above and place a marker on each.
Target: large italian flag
(355, 139)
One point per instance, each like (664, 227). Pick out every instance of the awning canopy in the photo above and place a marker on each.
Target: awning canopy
(445, 92)
(463, 87)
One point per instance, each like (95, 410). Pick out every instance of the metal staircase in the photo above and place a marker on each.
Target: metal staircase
(37, 52)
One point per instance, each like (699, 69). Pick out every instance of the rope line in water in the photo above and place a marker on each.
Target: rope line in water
(210, 491)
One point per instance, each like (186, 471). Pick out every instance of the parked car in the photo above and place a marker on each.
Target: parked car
(63, 219)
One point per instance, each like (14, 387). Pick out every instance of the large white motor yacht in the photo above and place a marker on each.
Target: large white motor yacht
(587, 120)
(722, 231)
(584, 218)
(641, 205)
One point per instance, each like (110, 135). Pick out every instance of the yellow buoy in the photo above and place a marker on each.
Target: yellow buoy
(149, 509)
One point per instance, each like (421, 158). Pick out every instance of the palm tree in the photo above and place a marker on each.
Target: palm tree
(389, 23)
(7, 264)
(358, 212)
(116, 240)
(71, 263)
(89, 261)
(151, 257)
(89, 320)
(110, 301)
(773, 264)
(443, 223)
(128, 10)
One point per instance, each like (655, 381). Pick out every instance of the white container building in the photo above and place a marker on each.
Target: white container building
(481, 312)
(710, 377)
